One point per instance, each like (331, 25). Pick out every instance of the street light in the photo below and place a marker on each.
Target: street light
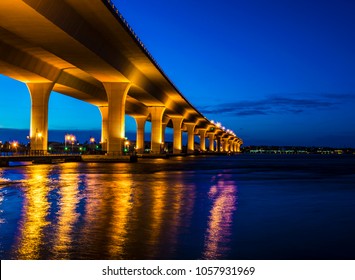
(72, 139)
(126, 143)
(69, 138)
(66, 140)
(14, 145)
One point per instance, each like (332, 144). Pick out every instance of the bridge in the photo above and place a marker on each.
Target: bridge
(86, 50)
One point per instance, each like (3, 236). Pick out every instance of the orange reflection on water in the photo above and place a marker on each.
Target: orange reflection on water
(34, 213)
(121, 207)
(224, 196)
(107, 209)
(157, 215)
(67, 215)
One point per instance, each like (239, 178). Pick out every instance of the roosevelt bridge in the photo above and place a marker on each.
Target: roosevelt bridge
(86, 50)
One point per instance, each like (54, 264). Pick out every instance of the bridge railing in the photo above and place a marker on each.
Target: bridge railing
(121, 17)
(36, 154)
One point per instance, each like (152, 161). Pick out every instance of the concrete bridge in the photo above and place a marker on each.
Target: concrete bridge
(85, 49)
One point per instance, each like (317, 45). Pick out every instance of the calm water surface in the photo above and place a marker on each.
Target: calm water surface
(239, 207)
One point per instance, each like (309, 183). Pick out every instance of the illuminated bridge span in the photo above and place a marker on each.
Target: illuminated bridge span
(85, 49)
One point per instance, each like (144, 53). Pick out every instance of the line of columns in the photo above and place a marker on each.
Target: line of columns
(113, 124)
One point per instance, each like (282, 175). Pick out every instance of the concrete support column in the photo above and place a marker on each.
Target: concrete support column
(104, 127)
(157, 128)
(140, 121)
(225, 144)
(40, 93)
(211, 140)
(202, 133)
(233, 145)
(238, 148)
(164, 125)
(190, 137)
(218, 138)
(116, 95)
(177, 122)
(230, 146)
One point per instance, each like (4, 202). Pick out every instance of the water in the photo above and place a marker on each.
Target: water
(238, 207)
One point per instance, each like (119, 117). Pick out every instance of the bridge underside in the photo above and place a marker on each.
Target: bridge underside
(84, 49)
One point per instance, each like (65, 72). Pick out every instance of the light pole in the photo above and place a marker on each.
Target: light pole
(92, 143)
(14, 146)
(72, 138)
(68, 138)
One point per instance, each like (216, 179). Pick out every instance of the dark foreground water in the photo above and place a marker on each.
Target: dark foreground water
(239, 207)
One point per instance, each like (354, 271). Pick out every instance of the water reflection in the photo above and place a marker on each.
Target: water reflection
(224, 196)
(158, 209)
(2, 197)
(103, 231)
(171, 210)
(121, 207)
(181, 203)
(107, 214)
(157, 215)
(67, 215)
(35, 210)
(94, 211)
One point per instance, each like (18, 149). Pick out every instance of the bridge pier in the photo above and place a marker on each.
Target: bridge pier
(104, 126)
(202, 133)
(140, 121)
(238, 148)
(231, 145)
(211, 140)
(164, 125)
(190, 137)
(40, 93)
(156, 114)
(113, 117)
(218, 138)
(225, 144)
(177, 145)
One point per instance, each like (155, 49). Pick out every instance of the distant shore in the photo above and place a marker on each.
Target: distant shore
(296, 150)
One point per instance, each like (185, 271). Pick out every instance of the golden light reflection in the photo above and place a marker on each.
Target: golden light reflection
(157, 214)
(176, 206)
(160, 211)
(93, 214)
(107, 210)
(224, 196)
(121, 206)
(67, 215)
(34, 214)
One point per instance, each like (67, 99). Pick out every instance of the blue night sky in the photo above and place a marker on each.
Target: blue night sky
(275, 72)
